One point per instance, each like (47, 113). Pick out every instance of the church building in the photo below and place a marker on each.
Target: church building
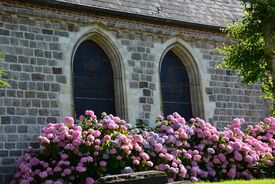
(132, 58)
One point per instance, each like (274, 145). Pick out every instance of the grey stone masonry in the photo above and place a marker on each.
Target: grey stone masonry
(38, 41)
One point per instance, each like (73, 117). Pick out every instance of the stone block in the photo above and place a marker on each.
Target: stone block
(142, 100)
(38, 77)
(4, 40)
(29, 120)
(15, 153)
(10, 129)
(9, 145)
(55, 87)
(17, 120)
(47, 31)
(146, 108)
(146, 177)
(10, 58)
(136, 56)
(39, 53)
(29, 94)
(146, 92)
(54, 46)
(6, 120)
(23, 59)
(4, 32)
(10, 110)
(133, 84)
(8, 161)
(16, 67)
(57, 55)
(61, 79)
(22, 129)
(51, 120)
(32, 111)
(143, 84)
(29, 36)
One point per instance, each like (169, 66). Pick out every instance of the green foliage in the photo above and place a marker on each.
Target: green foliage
(140, 124)
(2, 73)
(250, 52)
(3, 83)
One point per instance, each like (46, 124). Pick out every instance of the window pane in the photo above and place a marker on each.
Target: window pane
(175, 86)
(93, 80)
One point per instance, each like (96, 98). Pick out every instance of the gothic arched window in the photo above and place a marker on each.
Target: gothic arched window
(93, 80)
(175, 86)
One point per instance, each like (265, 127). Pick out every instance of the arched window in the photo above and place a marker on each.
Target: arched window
(175, 86)
(93, 80)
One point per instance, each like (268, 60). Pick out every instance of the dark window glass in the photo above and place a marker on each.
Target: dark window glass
(93, 80)
(175, 86)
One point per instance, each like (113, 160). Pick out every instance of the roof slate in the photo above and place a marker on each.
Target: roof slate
(205, 12)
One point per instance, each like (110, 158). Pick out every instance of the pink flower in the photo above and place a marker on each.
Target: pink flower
(64, 156)
(144, 156)
(44, 140)
(69, 121)
(34, 161)
(97, 141)
(113, 151)
(159, 118)
(57, 169)
(89, 113)
(248, 159)
(106, 137)
(49, 182)
(149, 164)
(119, 157)
(96, 133)
(211, 151)
(67, 171)
(136, 162)
(76, 134)
(102, 163)
(90, 180)
(229, 149)
(237, 156)
(113, 126)
(80, 169)
(232, 173)
(222, 157)
(197, 158)
(81, 117)
(169, 157)
(158, 147)
(236, 123)
(43, 174)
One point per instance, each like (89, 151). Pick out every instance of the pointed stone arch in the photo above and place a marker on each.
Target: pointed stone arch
(99, 35)
(183, 51)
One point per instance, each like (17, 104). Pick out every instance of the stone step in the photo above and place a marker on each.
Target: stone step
(145, 177)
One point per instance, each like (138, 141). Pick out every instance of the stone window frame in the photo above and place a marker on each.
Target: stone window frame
(182, 50)
(106, 41)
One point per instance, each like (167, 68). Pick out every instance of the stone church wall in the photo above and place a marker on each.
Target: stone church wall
(37, 44)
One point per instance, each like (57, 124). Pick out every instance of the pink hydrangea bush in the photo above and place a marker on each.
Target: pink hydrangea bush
(198, 151)
(84, 151)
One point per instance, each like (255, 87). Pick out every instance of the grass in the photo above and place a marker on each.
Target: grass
(263, 181)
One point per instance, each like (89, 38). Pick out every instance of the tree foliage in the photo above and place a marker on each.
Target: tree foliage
(253, 46)
(3, 83)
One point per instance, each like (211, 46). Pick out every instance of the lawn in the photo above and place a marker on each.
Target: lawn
(264, 181)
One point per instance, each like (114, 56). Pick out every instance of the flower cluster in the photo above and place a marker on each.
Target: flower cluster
(82, 152)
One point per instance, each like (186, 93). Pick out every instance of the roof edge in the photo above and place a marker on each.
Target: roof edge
(128, 15)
